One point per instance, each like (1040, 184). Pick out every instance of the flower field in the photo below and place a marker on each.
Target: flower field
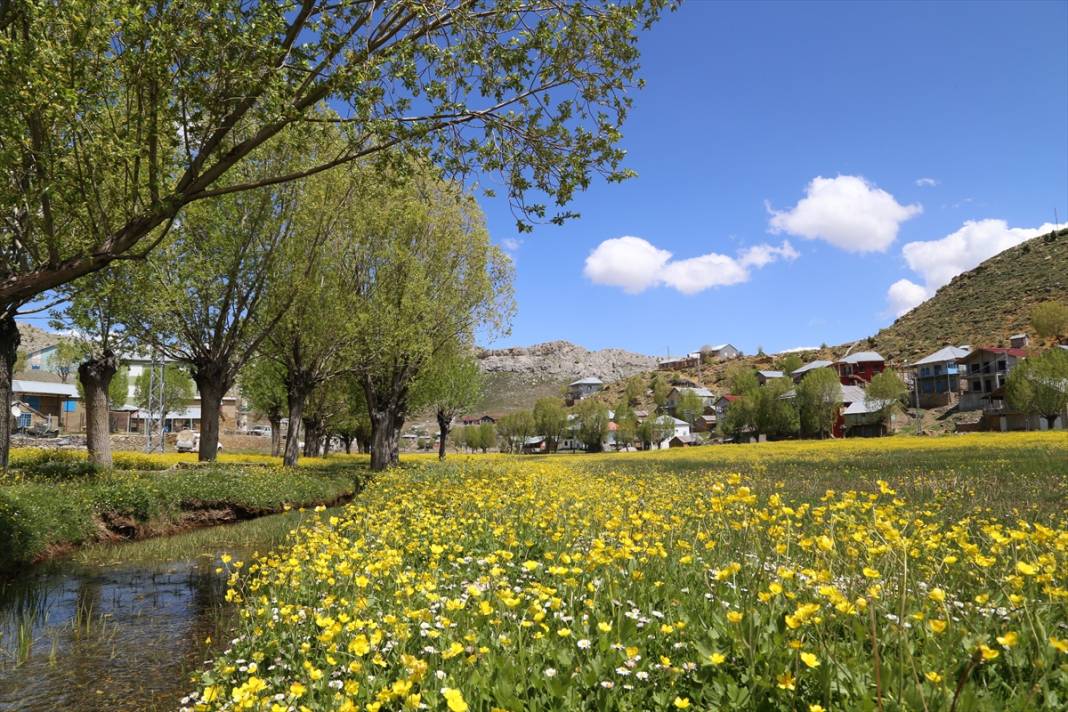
(930, 576)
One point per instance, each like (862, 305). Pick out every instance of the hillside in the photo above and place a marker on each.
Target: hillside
(518, 376)
(985, 305)
(34, 338)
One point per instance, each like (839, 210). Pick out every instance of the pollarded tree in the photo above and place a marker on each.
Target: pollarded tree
(223, 279)
(1039, 385)
(116, 115)
(449, 385)
(885, 391)
(819, 397)
(421, 277)
(550, 420)
(95, 310)
(592, 419)
(775, 414)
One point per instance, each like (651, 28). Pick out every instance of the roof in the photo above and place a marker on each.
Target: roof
(811, 366)
(718, 347)
(852, 394)
(1018, 336)
(588, 381)
(771, 374)
(862, 357)
(44, 388)
(535, 440)
(862, 407)
(674, 421)
(192, 412)
(687, 439)
(1063, 346)
(699, 391)
(1019, 353)
(944, 354)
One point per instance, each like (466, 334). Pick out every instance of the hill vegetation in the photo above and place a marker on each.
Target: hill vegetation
(983, 306)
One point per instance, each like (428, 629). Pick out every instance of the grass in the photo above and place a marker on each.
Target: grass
(892, 574)
(52, 502)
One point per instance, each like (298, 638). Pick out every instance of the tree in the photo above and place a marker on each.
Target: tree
(487, 436)
(790, 363)
(118, 389)
(513, 429)
(117, 116)
(550, 421)
(421, 277)
(819, 397)
(176, 391)
(1039, 385)
(772, 413)
(663, 427)
(661, 389)
(689, 406)
(95, 309)
(263, 385)
(592, 420)
(633, 390)
(646, 433)
(626, 428)
(66, 358)
(450, 385)
(884, 392)
(742, 379)
(1050, 319)
(740, 418)
(223, 278)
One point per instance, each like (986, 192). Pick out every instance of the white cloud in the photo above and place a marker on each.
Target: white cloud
(634, 265)
(511, 243)
(627, 262)
(939, 261)
(903, 295)
(927, 182)
(848, 212)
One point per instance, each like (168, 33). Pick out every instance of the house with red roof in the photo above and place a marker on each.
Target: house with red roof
(858, 369)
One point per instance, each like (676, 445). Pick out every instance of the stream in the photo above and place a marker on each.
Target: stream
(123, 626)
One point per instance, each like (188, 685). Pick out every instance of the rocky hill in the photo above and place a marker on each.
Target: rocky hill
(983, 306)
(517, 376)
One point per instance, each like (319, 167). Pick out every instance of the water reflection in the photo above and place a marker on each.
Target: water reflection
(121, 638)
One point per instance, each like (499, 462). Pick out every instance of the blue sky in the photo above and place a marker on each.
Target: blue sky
(745, 106)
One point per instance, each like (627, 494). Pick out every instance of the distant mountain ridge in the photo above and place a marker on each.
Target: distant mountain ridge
(515, 377)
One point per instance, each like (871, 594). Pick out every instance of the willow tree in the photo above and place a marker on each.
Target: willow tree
(449, 386)
(95, 311)
(117, 115)
(422, 276)
(222, 280)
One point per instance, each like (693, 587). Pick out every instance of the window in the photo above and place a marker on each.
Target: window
(70, 406)
(977, 386)
(925, 371)
(1001, 365)
(925, 387)
(33, 401)
(938, 370)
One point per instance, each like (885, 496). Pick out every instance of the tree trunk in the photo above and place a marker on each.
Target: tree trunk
(311, 438)
(9, 350)
(444, 421)
(1051, 420)
(346, 440)
(212, 382)
(275, 419)
(326, 444)
(292, 449)
(95, 375)
(385, 437)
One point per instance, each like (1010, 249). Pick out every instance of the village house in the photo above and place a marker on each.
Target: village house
(1019, 341)
(859, 368)
(185, 417)
(477, 420)
(936, 377)
(707, 397)
(684, 441)
(801, 371)
(674, 427)
(722, 404)
(46, 406)
(679, 363)
(577, 390)
(705, 424)
(861, 418)
(764, 376)
(983, 372)
(720, 352)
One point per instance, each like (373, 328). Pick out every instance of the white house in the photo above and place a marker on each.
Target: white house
(577, 390)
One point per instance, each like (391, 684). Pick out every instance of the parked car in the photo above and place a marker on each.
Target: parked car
(263, 431)
(189, 441)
